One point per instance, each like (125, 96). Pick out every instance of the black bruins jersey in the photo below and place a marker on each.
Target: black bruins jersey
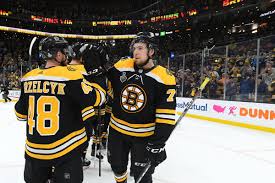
(55, 102)
(105, 89)
(144, 100)
(97, 82)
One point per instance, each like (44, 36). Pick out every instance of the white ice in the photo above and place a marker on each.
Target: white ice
(198, 152)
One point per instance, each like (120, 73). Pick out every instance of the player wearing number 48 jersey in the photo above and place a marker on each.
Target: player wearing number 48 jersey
(56, 102)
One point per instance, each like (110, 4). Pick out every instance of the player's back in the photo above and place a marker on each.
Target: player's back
(50, 102)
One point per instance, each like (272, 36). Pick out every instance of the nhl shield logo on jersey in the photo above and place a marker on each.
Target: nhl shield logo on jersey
(123, 77)
(133, 98)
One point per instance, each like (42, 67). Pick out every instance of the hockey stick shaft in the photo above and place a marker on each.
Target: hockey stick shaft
(30, 51)
(200, 89)
(99, 134)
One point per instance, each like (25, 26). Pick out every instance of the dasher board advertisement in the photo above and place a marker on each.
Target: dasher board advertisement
(246, 114)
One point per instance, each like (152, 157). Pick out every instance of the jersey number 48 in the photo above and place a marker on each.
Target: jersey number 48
(47, 118)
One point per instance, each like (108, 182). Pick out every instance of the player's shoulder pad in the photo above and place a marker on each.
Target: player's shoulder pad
(31, 73)
(78, 67)
(58, 73)
(125, 64)
(162, 75)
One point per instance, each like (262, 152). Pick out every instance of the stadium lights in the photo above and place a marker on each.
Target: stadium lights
(75, 36)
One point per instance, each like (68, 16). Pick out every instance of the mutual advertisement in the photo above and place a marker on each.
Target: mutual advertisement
(259, 114)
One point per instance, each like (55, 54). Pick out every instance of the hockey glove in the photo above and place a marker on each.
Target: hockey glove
(156, 153)
(94, 60)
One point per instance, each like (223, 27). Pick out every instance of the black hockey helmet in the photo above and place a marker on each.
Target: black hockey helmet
(49, 46)
(147, 38)
(79, 49)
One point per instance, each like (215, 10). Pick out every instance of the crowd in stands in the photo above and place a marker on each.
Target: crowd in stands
(233, 77)
(13, 64)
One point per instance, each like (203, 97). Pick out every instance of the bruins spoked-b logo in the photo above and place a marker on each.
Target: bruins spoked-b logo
(133, 98)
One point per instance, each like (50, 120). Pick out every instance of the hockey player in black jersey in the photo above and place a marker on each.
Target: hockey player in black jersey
(56, 102)
(143, 110)
(5, 93)
(77, 63)
(81, 52)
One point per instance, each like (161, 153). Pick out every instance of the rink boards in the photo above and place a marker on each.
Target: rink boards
(259, 116)
(13, 94)
(256, 116)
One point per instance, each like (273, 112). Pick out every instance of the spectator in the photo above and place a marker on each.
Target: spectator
(246, 87)
(231, 90)
(262, 92)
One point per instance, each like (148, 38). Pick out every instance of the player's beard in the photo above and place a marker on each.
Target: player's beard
(140, 63)
(63, 63)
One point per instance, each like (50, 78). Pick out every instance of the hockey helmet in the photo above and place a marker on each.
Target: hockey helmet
(144, 37)
(79, 49)
(49, 46)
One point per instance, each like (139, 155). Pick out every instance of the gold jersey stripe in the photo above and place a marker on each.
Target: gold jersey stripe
(67, 74)
(132, 125)
(22, 116)
(86, 109)
(166, 111)
(95, 85)
(143, 134)
(121, 179)
(56, 143)
(59, 154)
(166, 121)
(98, 98)
(88, 116)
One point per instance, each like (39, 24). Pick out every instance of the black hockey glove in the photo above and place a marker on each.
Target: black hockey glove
(94, 60)
(156, 154)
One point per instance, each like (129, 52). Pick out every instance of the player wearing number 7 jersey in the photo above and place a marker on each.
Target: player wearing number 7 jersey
(56, 102)
(143, 110)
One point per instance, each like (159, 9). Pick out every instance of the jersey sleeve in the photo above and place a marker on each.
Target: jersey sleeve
(21, 107)
(88, 96)
(165, 113)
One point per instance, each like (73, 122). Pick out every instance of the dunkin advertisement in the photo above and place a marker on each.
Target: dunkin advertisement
(258, 114)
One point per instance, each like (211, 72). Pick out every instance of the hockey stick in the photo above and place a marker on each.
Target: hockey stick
(99, 147)
(30, 51)
(200, 89)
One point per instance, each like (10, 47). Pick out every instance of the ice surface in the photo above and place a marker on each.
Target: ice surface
(198, 152)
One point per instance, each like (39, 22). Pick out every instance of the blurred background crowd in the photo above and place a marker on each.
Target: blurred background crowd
(230, 41)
